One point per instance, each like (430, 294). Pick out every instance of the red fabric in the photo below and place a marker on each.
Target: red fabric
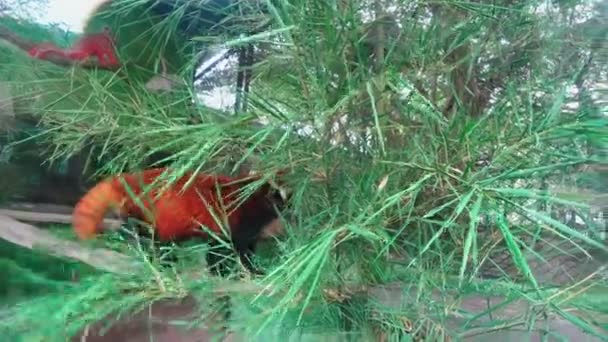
(99, 45)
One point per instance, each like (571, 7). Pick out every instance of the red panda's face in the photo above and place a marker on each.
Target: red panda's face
(277, 196)
(272, 229)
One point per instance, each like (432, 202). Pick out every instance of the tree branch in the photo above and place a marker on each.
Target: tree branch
(14, 39)
(30, 216)
(31, 237)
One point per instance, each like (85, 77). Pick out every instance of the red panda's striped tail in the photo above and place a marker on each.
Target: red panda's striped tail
(90, 210)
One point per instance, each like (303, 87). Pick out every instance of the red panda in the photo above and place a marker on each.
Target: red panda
(178, 211)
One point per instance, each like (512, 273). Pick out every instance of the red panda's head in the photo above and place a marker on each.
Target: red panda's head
(271, 198)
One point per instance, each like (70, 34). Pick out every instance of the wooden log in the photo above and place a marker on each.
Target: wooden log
(31, 237)
(49, 213)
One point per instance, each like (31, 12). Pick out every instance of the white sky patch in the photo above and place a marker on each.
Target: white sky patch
(71, 13)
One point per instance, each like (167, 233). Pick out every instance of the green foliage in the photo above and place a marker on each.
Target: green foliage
(17, 68)
(150, 44)
(462, 163)
(36, 32)
(30, 273)
(19, 166)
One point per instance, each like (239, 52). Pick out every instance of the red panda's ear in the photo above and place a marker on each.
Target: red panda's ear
(282, 190)
(278, 185)
(275, 182)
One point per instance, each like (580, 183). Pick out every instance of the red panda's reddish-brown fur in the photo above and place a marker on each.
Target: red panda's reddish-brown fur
(175, 212)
